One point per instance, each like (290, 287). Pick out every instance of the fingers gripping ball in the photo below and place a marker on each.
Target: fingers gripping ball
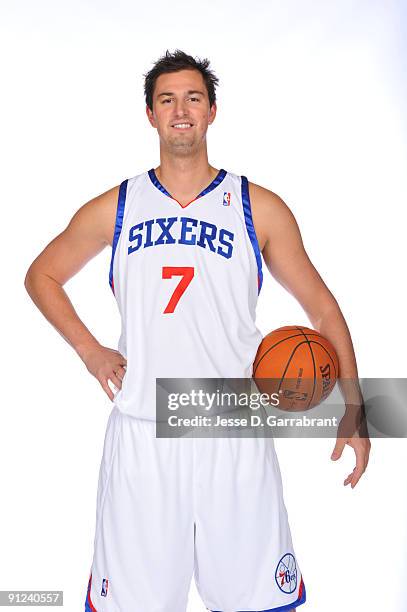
(299, 364)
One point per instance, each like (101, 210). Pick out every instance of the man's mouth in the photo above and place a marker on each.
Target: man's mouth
(182, 126)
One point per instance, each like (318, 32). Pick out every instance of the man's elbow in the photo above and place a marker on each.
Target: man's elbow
(31, 276)
(28, 279)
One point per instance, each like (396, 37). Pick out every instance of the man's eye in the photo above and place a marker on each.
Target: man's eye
(169, 100)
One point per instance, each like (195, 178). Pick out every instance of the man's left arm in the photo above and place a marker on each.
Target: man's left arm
(283, 251)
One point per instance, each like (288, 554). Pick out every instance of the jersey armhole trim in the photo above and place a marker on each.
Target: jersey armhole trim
(247, 209)
(118, 226)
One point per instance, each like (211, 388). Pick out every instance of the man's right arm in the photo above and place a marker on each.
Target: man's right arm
(90, 230)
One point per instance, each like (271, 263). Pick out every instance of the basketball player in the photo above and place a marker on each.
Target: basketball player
(186, 270)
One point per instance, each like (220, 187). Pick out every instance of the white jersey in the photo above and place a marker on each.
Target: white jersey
(186, 280)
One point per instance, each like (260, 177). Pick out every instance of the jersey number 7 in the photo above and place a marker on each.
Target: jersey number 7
(187, 274)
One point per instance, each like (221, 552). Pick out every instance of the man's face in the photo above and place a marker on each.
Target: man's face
(181, 97)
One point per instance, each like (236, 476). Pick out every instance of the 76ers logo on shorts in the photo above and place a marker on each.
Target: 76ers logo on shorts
(286, 574)
(105, 586)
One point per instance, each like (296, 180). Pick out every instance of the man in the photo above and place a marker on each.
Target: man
(186, 271)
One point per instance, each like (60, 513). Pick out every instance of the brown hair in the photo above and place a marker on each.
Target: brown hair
(173, 62)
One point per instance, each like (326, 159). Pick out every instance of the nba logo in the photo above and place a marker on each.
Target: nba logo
(226, 198)
(105, 585)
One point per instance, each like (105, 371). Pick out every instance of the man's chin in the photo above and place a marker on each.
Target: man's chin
(180, 148)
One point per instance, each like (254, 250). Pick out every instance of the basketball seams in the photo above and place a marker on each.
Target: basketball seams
(288, 363)
(289, 338)
(271, 347)
(329, 355)
(300, 344)
(313, 363)
(292, 341)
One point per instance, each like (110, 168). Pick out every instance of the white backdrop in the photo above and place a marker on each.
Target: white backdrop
(310, 105)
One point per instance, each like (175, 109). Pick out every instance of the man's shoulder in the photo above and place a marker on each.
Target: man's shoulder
(98, 215)
(264, 199)
(271, 215)
(102, 209)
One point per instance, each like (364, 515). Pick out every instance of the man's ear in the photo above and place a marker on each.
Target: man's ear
(150, 116)
(212, 113)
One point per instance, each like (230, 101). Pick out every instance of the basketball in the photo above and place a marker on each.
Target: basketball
(299, 364)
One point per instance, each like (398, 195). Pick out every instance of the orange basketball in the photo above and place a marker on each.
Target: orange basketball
(299, 364)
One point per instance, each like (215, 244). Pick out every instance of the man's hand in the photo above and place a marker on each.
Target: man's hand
(353, 431)
(361, 446)
(105, 364)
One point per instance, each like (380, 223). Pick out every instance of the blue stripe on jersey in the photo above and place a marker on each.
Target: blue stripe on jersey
(156, 182)
(250, 228)
(218, 179)
(89, 607)
(118, 226)
(288, 607)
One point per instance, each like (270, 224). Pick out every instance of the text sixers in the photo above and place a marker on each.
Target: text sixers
(181, 230)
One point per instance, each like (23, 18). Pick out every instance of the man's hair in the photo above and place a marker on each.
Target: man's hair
(173, 62)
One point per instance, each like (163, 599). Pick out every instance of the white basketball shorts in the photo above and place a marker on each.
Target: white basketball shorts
(168, 508)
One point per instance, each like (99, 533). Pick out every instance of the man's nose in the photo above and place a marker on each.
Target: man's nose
(180, 108)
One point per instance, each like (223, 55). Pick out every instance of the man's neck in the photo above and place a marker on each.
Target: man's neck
(185, 179)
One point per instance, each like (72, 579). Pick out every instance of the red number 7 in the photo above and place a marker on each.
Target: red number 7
(187, 275)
